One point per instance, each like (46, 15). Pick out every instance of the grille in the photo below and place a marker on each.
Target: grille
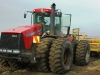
(11, 41)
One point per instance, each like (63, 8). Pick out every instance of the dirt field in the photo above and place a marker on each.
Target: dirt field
(92, 69)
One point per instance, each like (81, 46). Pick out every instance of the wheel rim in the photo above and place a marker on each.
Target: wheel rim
(87, 54)
(67, 58)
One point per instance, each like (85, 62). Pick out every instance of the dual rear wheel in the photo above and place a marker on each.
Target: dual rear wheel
(61, 56)
(57, 55)
(82, 53)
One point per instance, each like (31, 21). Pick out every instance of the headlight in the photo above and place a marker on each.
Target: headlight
(3, 50)
(10, 51)
(16, 51)
(0, 50)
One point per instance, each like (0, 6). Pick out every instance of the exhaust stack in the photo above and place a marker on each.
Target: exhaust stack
(52, 19)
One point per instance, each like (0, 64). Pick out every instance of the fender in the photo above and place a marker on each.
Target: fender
(70, 38)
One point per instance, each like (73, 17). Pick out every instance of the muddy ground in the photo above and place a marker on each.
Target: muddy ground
(93, 68)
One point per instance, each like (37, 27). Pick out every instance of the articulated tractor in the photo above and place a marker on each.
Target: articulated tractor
(47, 43)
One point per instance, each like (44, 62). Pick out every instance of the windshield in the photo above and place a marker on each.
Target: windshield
(61, 23)
(44, 19)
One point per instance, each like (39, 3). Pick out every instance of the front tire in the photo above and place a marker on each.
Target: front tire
(61, 56)
(4, 65)
(42, 50)
(14, 65)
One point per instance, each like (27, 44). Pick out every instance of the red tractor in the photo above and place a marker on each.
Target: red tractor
(43, 43)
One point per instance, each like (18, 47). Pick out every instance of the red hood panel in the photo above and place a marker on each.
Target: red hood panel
(20, 29)
(27, 33)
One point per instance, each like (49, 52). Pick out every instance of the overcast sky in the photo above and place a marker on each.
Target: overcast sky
(85, 13)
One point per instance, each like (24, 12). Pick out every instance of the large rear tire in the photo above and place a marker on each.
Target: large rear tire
(42, 50)
(61, 56)
(82, 53)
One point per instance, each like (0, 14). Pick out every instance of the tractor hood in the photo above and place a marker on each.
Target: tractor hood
(25, 33)
(22, 29)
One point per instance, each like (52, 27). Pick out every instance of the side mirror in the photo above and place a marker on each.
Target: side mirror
(25, 15)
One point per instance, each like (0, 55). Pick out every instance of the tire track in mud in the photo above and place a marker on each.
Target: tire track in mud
(93, 68)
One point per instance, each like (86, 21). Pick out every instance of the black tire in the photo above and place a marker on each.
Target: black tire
(9, 65)
(82, 53)
(61, 56)
(42, 50)
(74, 44)
(4, 65)
(14, 65)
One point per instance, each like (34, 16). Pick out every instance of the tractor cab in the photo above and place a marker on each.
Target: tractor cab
(43, 16)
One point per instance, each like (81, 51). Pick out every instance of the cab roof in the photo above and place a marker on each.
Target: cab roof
(48, 10)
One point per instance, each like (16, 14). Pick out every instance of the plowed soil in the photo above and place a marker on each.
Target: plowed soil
(93, 68)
